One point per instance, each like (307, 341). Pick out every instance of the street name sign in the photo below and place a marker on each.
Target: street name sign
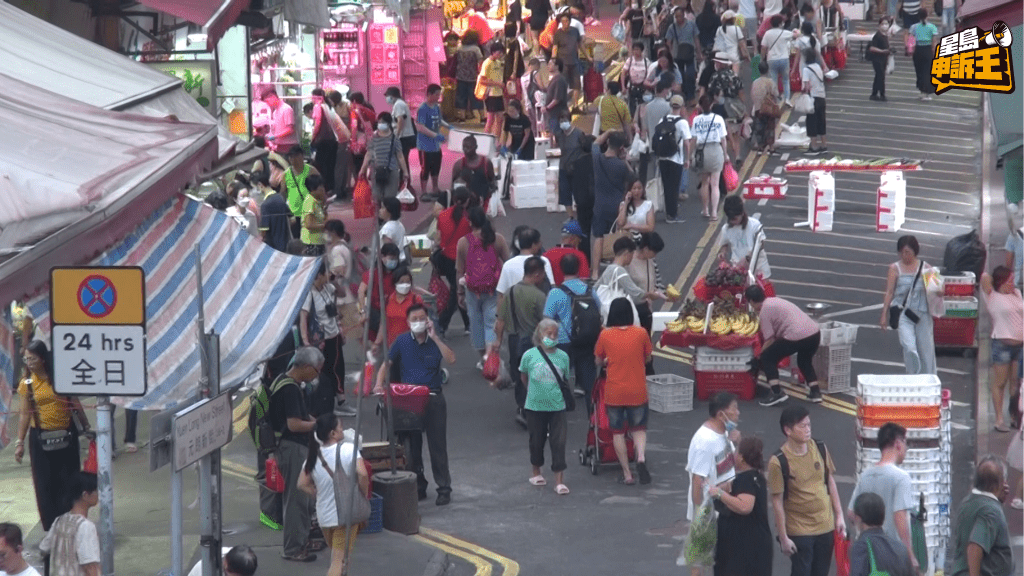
(200, 429)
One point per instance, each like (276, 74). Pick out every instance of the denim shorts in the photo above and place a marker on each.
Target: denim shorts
(1004, 353)
(627, 418)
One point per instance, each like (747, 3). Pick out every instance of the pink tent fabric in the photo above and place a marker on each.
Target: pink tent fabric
(75, 178)
(215, 16)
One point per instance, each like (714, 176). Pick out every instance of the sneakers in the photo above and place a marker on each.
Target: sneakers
(266, 521)
(344, 410)
(774, 399)
(520, 418)
(814, 395)
(823, 150)
(579, 392)
(812, 151)
(643, 472)
(674, 220)
(683, 197)
(304, 556)
(443, 499)
(480, 365)
(421, 494)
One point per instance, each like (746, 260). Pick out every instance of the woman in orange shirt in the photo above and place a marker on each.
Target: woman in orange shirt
(623, 349)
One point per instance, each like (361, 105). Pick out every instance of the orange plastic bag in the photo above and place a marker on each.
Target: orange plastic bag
(732, 179)
(362, 200)
(90, 464)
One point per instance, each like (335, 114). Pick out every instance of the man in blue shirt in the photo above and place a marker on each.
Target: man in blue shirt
(558, 307)
(418, 354)
(429, 140)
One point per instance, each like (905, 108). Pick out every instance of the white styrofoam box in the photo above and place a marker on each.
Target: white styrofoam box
(486, 144)
(523, 167)
(527, 196)
(838, 334)
(541, 147)
(529, 180)
(661, 319)
(894, 390)
(822, 222)
(918, 458)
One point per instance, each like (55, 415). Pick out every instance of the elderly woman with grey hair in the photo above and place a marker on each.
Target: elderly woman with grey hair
(541, 369)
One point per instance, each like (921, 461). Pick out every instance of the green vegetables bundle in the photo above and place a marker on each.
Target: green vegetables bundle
(699, 546)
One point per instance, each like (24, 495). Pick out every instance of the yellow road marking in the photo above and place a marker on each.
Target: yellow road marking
(509, 567)
(483, 568)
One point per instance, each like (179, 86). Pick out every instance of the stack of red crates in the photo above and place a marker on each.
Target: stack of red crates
(956, 330)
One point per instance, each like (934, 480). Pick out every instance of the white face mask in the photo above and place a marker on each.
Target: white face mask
(418, 327)
(390, 99)
(648, 97)
(565, 126)
(403, 288)
(383, 126)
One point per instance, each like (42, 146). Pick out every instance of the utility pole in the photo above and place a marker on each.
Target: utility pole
(209, 465)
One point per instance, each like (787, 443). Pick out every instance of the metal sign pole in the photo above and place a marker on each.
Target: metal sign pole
(104, 453)
(177, 533)
(208, 539)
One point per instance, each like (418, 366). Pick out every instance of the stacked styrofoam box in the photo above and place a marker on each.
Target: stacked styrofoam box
(765, 187)
(821, 200)
(930, 452)
(891, 209)
(540, 147)
(710, 359)
(528, 188)
(551, 189)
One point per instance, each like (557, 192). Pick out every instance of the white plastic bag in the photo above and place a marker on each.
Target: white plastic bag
(495, 207)
(803, 103)
(699, 546)
(637, 148)
(890, 65)
(405, 196)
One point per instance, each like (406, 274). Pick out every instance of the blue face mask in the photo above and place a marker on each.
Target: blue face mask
(730, 425)
(391, 264)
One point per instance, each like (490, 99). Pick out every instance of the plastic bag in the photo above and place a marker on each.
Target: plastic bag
(965, 253)
(637, 148)
(494, 206)
(619, 32)
(274, 479)
(504, 379)
(732, 179)
(492, 366)
(842, 551)
(890, 64)
(90, 464)
(405, 196)
(362, 200)
(803, 103)
(699, 545)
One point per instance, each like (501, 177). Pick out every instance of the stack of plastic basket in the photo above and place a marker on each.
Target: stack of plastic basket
(918, 403)
(723, 371)
(668, 393)
(956, 328)
(832, 361)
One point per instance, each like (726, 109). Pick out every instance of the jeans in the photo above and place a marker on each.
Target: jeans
(554, 119)
(585, 370)
(813, 555)
(671, 173)
(435, 426)
(684, 180)
(689, 70)
(804, 350)
(948, 19)
(517, 345)
(780, 69)
(446, 267)
(298, 506)
(878, 86)
(482, 309)
(918, 341)
(551, 427)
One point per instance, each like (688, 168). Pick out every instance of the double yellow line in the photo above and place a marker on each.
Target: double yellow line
(482, 559)
(792, 389)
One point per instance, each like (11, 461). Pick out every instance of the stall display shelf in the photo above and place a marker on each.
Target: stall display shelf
(835, 164)
(765, 187)
(727, 342)
(669, 393)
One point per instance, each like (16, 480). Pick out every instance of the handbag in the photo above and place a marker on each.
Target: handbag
(803, 103)
(607, 246)
(381, 175)
(567, 396)
(50, 440)
(890, 64)
(351, 511)
(895, 309)
(770, 107)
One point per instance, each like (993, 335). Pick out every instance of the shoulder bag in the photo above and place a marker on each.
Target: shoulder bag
(698, 154)
(567, 397)
(895, 309)
(50, 440)
(351, 511)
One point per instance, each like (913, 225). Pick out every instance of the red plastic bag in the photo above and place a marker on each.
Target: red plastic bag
(275, 481)
(439, 288)
(90, 464)
(366, 387)
(593, 84)
(795, 82)
(842, 545)
(492, 366)
(362, 200)
(732, 179)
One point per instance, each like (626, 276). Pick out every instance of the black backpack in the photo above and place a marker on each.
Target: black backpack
(664, 143)
(586, 318)
(784, 467)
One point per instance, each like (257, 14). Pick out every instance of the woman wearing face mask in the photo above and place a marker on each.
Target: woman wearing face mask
(321, 305)
(392, 230)
(384, 165)
(545, 413)
(397, 306)
(389, 257)
(480, 256)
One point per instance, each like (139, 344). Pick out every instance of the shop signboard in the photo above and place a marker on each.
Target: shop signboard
(198, 78)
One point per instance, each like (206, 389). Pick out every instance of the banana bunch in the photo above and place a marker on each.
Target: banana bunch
(721, 325)
(676, 326)
(745, 324)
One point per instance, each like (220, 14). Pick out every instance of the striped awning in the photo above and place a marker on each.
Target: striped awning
(252, 294)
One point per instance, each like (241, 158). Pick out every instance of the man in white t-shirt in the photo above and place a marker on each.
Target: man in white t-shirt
(12, 563)
(711, 458)
(512, 271)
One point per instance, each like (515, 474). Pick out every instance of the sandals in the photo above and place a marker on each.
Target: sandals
(1001, 428)
(627, 481)
(131, 448)
(561, 489)
(538, 480)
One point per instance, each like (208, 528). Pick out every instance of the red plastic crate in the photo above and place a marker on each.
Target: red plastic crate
(739, 383)
(951, 331)
(959, 290)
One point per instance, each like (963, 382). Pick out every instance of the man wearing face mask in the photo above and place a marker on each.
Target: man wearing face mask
(418, 354)
(570, 141)
(711, 458)
(389, 254)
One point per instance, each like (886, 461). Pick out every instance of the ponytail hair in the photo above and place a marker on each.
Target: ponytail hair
(478, 219)
(325, 424)
(460, 200)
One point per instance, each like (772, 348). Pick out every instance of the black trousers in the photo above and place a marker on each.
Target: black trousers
(271, 503)
(550, 427)
(331, 378)
(325, 156)
(408, 145)
(878, 86)
(446, 267)
(50, 473)
(435, 426)
(517, 346)
(804, 350)
(671, 175)
(647, 321)
(585, 216)
(586, 371)
(923, 68)
(342, 170)
(813, 555)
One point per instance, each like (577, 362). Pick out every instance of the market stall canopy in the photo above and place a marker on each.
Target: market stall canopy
(252, 295)
(984, 13)
(309, 12)
(75, 178)
(215, 16)
(47, 57)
